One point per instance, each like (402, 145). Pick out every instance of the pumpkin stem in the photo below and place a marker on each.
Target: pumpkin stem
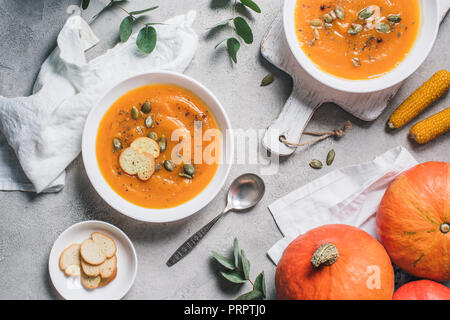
(326, 255)
(445, 227)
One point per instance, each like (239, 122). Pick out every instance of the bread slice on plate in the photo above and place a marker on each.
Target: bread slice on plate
(90, 282)
(92, 252)
(107, 281)
(146, 145)
(137, 163)
(105, 242)
(69, 260)
(105, 270)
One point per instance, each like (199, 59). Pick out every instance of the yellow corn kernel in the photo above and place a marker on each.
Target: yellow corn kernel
(431, 128)
(429, 92)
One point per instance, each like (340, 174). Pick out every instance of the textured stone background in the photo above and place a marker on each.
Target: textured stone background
(29, 224)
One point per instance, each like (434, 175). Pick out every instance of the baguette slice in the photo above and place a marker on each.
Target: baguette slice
(107, 281)
(90, 282)
(105, 242)
(69, 260)
(137, 163)
(92, 252)
(146, 145)
(105, 270)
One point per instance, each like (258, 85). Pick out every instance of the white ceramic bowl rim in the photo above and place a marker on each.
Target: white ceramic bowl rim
(422, 47)
(116, 201)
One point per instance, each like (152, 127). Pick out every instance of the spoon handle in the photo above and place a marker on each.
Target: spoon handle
(190, 243)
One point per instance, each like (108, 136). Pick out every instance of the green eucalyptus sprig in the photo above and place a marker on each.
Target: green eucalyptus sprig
(237, 270)
(146, 39)
(239, 25)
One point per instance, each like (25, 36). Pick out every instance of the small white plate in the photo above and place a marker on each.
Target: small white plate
(70, 288)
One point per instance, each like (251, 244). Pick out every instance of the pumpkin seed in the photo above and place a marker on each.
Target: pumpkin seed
(333, 14)
(267, 80)
(395, 18)
(383, 28)
(134, 113)
(117, 144)
(189, 169)
(185, 175)
(146, 107)
(327, 18)
(316, 23)
(148, 121)
(316, 164)
(330, 157)
(169, 165)
(152, 135)
(366, 13)
(355, 29)
(340, 13)
(162, 143)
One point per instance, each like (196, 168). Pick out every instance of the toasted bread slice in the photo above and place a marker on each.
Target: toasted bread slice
(69, 260)
(92, 252)
(105, 242)
(106, 281)
(137, 163)
(90, 282)
(146, 145)
(105, 270)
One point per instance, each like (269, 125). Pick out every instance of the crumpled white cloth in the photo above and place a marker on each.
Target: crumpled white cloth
(44, 130)
(347, 196)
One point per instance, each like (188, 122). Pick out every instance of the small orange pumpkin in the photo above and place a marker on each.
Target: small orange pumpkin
(413, 221)
(422, 290)
(335, 262)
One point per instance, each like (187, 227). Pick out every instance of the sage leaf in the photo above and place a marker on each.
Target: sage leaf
(233, 276)
(243, 29)
(220, 24)
(227, 263)
(250, 4)
(146, 39)
(267, 80)
(233, 46)
(126, 28)
(260, 284)
(85, 4)
(143, 10)
(236, 252)
(245, 265)
(252, 295)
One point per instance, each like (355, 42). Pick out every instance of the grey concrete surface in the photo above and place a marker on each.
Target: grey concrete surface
(29, 223)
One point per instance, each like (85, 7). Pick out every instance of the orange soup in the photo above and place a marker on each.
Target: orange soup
(172, 108)
(357, 39)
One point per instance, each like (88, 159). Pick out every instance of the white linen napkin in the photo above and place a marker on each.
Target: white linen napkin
(349, 196)
(44, 130)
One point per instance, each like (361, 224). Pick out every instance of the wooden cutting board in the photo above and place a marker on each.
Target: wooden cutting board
(308, 93)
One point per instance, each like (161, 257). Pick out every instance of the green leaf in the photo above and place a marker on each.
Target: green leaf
(252, 295)
(245, 265)
(250, 4)
(260, 284)
(220, 24)
(233, 46)
(227, 263)
(236, 252)
(133, 13)
(126, 28)
(146, 39)
(233, 276)
(243, 29)
(85, 4)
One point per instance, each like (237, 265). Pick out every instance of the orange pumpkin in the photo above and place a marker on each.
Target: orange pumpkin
(413, 221)
(335, 262)
(422, 290)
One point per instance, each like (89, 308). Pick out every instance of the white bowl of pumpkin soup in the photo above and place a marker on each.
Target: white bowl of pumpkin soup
(360, 46)
(158, 147)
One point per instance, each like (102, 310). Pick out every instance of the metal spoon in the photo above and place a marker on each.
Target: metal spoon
(244, 193)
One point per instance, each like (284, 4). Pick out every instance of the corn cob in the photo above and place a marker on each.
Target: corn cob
(429, 92)
(431, 128)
